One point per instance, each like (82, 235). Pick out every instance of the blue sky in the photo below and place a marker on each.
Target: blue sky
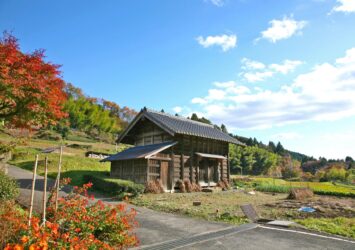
(274, 70)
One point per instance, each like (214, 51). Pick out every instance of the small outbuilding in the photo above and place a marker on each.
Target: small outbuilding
(170, 148)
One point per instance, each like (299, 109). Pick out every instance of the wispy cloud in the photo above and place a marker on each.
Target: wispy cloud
(282, 29)
(324, 93)
(286, 136)
(255, 71)
(346, 6)
(226, 42)
(286, 67)
(218, 3)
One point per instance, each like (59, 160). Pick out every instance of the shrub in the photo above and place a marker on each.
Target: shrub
(8, 187)
(335, 173)
(77, 225)
(11, 219)
(112, 186)
(272, 188)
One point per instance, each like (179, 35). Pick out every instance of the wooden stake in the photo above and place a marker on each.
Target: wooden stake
(33, 190)
(58, 178)
(44, 191)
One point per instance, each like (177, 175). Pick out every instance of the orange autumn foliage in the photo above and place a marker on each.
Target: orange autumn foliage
(31, 90)
(79, 223)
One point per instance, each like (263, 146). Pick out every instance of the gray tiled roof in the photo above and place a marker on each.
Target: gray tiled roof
(140, 151)
(181, 125)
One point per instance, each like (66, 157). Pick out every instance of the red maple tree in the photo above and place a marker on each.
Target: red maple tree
(31, 90)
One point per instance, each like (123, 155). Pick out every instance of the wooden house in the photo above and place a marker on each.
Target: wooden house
(170, 148)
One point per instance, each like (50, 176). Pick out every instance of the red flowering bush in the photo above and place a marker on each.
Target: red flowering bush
(79, 223)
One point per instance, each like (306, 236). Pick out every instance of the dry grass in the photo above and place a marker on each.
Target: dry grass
(300, 194)
(224, 202)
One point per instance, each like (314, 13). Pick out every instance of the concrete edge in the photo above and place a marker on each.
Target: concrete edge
(238, 229)
(306, 231)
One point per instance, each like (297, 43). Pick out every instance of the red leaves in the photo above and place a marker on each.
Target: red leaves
(31, 90)
(79, 225)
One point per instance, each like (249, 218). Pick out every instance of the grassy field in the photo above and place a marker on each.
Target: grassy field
(220, 206)
(225, 206)
(278, 185)
(340, 225)
(74, 164)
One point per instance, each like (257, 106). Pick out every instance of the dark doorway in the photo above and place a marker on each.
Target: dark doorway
(208, 169)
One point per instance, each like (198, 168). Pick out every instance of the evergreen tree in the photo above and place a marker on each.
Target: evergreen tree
(279, 149)
(272, 146)
(224, 129)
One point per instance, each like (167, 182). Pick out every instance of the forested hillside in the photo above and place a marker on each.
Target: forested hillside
(99, 118)
(257, 158)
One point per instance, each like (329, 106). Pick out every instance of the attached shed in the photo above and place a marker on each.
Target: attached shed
(170, 148)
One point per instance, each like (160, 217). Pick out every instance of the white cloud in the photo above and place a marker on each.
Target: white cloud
(226, 42)
(198, 100)
(250, 64)
(286, 67)
(257, 76)
(228, 84)
(218, 3)
(282, 29)
(347, 6)
(326, 92)
(255, 71)
(215, 94)
(177, 109)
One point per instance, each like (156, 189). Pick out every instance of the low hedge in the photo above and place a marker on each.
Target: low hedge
(287, 189)
(117, 187)
(273, 188)
(334, 193)
(8, 187)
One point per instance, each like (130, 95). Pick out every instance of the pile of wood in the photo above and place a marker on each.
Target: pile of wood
(300, 194)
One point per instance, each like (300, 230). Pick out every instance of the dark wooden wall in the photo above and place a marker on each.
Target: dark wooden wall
(134, 170)
(183, 161)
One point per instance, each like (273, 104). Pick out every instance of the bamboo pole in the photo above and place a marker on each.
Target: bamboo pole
(33, 190)
(58, 178)
(45, 191)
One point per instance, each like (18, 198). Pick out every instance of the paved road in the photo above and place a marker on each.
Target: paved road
(159, 230)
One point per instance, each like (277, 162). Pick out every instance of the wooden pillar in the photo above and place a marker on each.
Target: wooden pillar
(221, 166)
(197, 169)
(228, 168)
(182, 158)
(191, 160)
(182, 166)
(147, 170)
(172, 181)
